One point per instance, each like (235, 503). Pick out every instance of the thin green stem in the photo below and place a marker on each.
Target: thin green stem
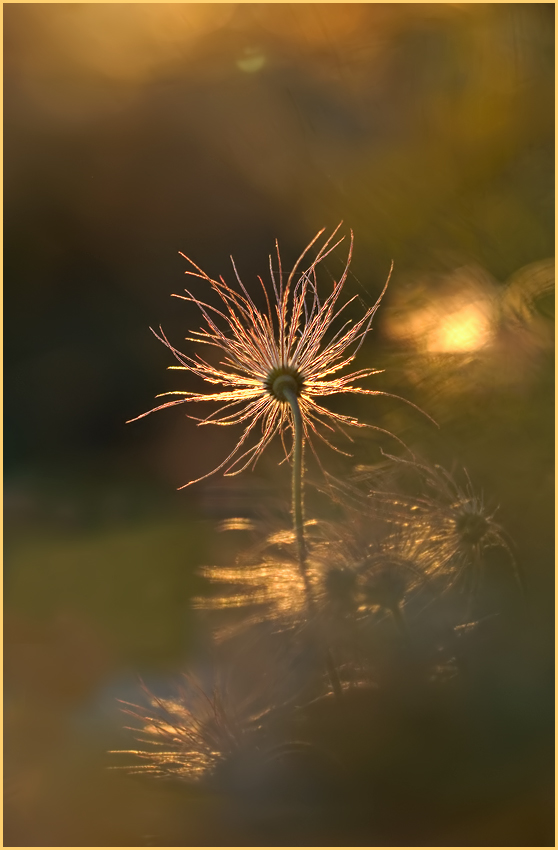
(298, 517)
(298, 484)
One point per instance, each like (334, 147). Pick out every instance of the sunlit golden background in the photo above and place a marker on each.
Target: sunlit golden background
(135, 131)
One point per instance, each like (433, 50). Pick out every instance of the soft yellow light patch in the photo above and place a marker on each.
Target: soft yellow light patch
(466, 329)
(251, 61)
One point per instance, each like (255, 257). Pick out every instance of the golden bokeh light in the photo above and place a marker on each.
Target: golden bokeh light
(467, 328)
(252, 60)
(456, 317)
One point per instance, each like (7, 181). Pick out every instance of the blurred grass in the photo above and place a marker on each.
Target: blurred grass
(135, 582)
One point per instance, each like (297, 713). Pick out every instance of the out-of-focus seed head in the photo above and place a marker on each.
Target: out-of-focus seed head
(472, 526)
(384, 580)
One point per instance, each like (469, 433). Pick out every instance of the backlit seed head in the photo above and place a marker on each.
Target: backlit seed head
(292, 343)
(448, 527)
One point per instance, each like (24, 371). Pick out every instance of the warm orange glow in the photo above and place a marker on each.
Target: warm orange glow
(466, 329)
(454, 316)
(311, 24)
(131, 41)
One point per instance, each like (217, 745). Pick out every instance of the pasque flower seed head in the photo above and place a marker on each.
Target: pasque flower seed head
(289, 344)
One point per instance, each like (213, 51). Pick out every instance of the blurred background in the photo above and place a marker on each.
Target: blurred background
(135, 131)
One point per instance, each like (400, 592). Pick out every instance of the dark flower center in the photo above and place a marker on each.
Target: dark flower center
(385, 582)
(472, 527)
(281, 378)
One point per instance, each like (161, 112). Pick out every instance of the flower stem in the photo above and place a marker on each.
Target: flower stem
(298, 518)
(297, 491)
(400, 621)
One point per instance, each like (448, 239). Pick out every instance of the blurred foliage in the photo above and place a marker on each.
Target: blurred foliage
(134, 131)
(134, 580)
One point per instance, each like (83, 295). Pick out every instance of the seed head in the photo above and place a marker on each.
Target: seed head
(447, 526)
(191, 735)
(292, 343)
